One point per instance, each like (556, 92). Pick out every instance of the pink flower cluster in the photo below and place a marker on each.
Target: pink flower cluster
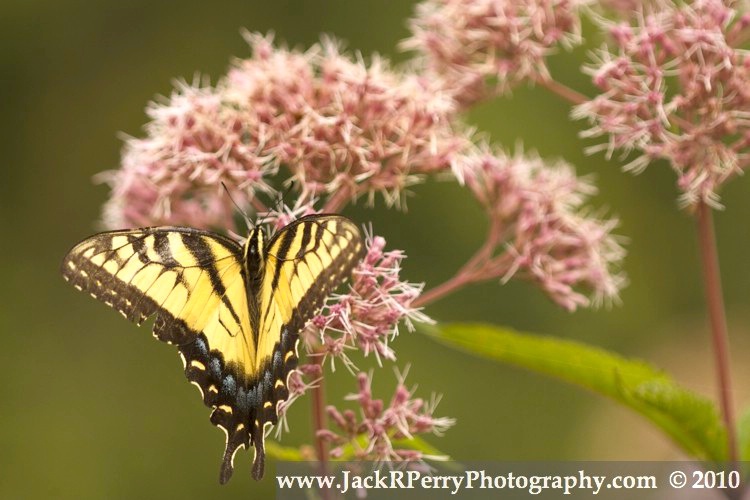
(338, 129)
(381, 425)
(341, 126)
(488, 46)
(333, 126)
(674, 86)
(173, 175)
(369, 313)
(540, 231)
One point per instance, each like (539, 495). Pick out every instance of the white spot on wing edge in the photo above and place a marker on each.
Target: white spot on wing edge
(226, 443)
(288, 375)
(226, 433)
(200, 389)
(263, 435)
(234, 453)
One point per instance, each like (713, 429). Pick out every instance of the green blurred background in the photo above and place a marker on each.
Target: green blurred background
(91, 406)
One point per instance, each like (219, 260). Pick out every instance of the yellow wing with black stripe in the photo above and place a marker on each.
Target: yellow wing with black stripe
(234, 312)
(304, 263)
(192, 280)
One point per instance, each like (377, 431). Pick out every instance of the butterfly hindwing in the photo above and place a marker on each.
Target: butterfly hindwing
(236, 325)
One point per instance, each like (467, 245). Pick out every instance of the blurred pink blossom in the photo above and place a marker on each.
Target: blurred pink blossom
(340, 126)
(381, 425)
(540, 230)
(480, 47)
(674, 87)
(193, 143)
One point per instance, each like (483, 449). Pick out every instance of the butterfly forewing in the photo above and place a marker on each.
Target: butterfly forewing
(196, 284)
(305, 261)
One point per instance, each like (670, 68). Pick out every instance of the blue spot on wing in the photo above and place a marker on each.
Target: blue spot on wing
(242, 401)
(201, 345)
(276, 361)
(253, 400)
(267, 383)
(215, 367)
(229, 386)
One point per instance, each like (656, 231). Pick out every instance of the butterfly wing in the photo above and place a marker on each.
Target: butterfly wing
(191, 280)
(194, 283)
(305, 261)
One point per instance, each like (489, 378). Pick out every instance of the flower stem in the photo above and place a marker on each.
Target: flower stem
(338, 200)
(717, 317)
(567, 93)
(443, 289)
(258, 205)
(472, 271)
(318, 401)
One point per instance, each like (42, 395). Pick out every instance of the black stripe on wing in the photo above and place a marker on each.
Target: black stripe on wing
(132, 301)
(334, 272)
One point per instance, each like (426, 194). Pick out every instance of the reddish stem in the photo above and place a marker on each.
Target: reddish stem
(717, 317)
(318, 402)
(562, 90)
(258, 205)
(474, 270)
(443, 289)
(336, 202)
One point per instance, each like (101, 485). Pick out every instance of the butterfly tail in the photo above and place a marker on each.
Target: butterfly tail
(234, 443)
(259, 461)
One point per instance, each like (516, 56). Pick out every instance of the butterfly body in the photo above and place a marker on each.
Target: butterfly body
(233, 311)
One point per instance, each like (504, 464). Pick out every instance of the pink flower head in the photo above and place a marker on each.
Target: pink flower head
(543, 232)
(673, 86)
(368, 315)
(341, 127)
(282, 215)
(485, 46)
(174, 174)
(381, 425)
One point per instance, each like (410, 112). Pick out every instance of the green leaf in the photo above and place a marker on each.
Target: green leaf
(743, 427)
(429, 452)
(419, 444)
(692, 421)
(283, 453)
(348, 451)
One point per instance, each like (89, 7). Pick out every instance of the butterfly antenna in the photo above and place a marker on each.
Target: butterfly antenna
(248, 222)
(278, 208)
